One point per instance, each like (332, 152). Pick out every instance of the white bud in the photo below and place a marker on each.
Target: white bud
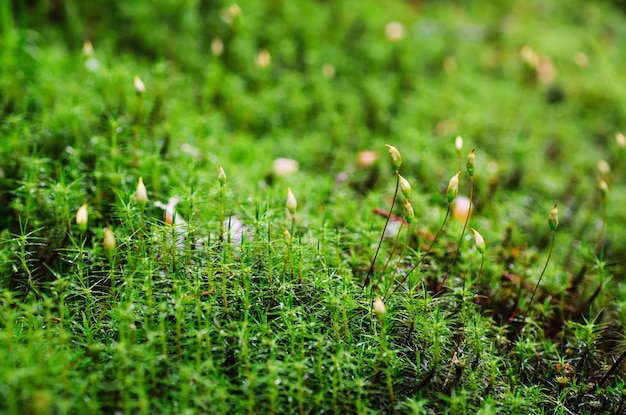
(140, 88)
(458, 143)
(379, 308)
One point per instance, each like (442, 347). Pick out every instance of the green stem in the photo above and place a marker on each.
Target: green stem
(288, 258)
(482, 263)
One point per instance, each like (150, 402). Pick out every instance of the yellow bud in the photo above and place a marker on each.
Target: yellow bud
(479, 241)
(292, 204)
(221, 175)
(405, 187)
(286, 235)
(396, 158)
(379, 308)
(471, 163)
(409, 213)
(109, 243)
(141, 195)
(453, 187)
(553, 218)
(82, 218)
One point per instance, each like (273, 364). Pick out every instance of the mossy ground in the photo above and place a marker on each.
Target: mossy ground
(264, 314)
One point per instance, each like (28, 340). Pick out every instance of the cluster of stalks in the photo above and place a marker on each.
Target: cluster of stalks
(402, 185)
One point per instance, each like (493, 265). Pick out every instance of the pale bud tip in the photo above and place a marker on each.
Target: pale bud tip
(471, 163)
(141, 195)
(405, 187)
(553, 218)
(458, 143)
(263, 59)
(217, 46)
(453, 187)
(87, 48)
(286, 234)
(221, 174)
(292, 203)
(140, 87)
(604, 168)
(479, 241)
(109, 242)
(409, 213)
(82, 218)
(396, 158)
(379, 308)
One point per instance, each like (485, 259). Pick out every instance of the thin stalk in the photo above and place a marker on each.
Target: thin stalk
(389, 373)
(408, 235)
(222, 212)
(270, 262)
(138, 119)
(293, 224)
(540, 277)
(445, 219)
(458, 246)
(224, 283)
(289, 241)
(291, 267)
(380, 241)
(395, 245)
(380, 312)
(613, 368)
(113, 148)
(600, 246)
